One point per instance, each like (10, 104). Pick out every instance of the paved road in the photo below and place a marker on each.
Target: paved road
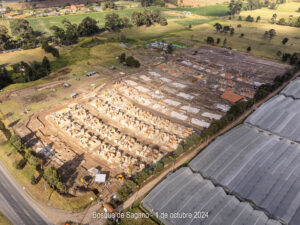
(15, 205)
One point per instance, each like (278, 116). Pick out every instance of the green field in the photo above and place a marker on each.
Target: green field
(43, 24)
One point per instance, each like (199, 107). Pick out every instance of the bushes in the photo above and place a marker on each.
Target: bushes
(129, 61)
(210, 40)
(249, 18)
(4, 130)
(19, 165)
(33, 180)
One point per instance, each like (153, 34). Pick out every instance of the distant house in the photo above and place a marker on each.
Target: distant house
(10, 15)
(158, 45)
(74, 8)
(2, 10)
(22, 16)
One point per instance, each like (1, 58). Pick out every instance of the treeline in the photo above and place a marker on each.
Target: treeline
(50, 174)
(235, 112)
(70, 33)
(24, 72)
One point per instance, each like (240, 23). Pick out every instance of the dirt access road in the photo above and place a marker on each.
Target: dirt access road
(191, 154)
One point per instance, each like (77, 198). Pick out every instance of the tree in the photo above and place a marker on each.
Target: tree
(68, 36)
(4, 37)
(285, 40)
(249, 49)
(286, 56)
(16, 141)
(242, 35)
(46, 65)
(50, 49)
(132, 62)
(109, 5)
(170, 49)
(253, 4)
(33, 180)
(258, 19)
(231, 31)
(114, 23)
(273, 19)
(141, 177)
(218, 27)
(122, 57)
(218, 41)
(88, 27)
(235, 7)
(272, 33)
(225, 42)
(148, 18)
(249, 18)
(52, 176)
(282, 21)
(210, 40)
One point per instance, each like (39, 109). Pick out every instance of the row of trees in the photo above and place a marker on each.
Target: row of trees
(224, 29)
(50, 174)
(291, 21)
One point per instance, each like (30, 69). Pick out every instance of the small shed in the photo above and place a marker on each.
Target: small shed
(93, 171)
(100, 178)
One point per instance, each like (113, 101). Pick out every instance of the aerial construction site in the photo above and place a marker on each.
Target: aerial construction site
(134, 120)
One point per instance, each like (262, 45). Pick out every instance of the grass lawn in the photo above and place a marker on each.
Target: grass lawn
(4, 220)
(40, 191)
(29, 55)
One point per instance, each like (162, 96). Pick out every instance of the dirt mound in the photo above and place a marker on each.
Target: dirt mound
(59, 73)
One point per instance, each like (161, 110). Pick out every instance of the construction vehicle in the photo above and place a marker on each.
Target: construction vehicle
(84, 181)
(120, 177)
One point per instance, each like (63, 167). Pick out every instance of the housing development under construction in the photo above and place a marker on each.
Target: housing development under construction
(133, 122)
(257, 162)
